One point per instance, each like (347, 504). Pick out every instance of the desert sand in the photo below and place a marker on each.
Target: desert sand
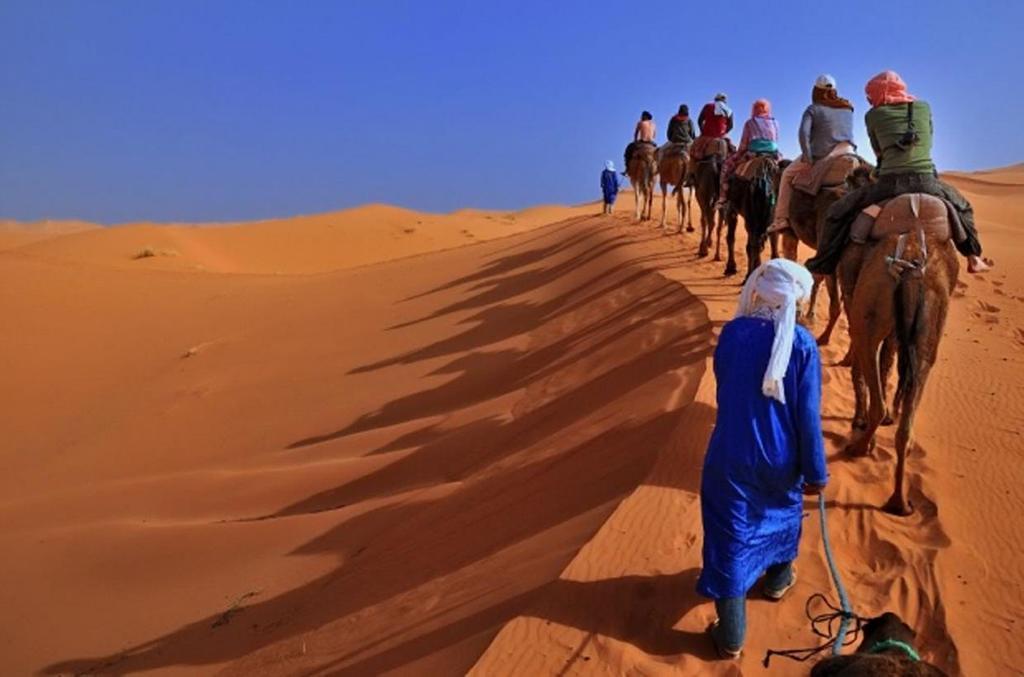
(382, 441)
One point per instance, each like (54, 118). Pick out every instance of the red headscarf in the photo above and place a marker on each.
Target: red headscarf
(762, 109)
(887, 88)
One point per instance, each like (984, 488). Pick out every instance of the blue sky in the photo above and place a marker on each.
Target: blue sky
(205, 110)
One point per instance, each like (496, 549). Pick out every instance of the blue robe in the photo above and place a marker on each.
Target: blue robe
(760, 454)
(609, 185)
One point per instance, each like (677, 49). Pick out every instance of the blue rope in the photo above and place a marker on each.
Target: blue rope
(844, 601)
(822, 622)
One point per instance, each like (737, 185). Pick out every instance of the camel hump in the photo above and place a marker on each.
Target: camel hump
(646, 150)
(674, 150)
(757, 165)
(910, 212)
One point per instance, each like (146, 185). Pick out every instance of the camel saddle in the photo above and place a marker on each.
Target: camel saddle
(707, 147)
(827, 173)
(902, 214)
(750, 168)
(672, 149)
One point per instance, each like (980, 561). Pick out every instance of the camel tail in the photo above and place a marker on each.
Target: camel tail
(910, 321)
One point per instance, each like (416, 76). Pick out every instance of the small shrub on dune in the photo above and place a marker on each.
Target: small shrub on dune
(148, 252)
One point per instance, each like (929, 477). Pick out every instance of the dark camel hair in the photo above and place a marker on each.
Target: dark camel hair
(706, 184)
(754, 200)
(901, 307)
(641, 172)
(872, 660)
(672, 165)
(807, 220)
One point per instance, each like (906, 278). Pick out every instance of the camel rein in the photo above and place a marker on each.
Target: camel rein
(822, 624)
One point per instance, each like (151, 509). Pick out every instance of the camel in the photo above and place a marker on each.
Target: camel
(886, 651)
(807, 219)
(641, 172)
(902, 279)
(672, 165)
(754, 200)
(706, 177)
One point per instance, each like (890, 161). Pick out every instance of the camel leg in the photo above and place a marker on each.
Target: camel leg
(730, 242)
(846, 276)
(835, 307)
(664, 204)
(790, 245)
(871, 321)
(706, 224)
(886, 360)
(860, 397)
(898, 504)
(866, 357)
(715, 229)
(754, 247)
(774, 240)
(689, 209)
(680, 207)
(812, 305)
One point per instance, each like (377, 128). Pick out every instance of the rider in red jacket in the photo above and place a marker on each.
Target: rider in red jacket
(715, 118)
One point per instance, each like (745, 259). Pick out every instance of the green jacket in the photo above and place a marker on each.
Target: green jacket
(887, 124)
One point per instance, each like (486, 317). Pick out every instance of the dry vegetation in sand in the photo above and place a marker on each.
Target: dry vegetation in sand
(292, 449)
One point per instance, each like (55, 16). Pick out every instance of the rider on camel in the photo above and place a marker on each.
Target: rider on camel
(680, 127)
(826, 131)
(644, 132)
(760, 137)
(900, 128)
(714, 121)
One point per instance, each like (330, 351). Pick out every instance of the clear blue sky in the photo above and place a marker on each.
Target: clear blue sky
(120, 110)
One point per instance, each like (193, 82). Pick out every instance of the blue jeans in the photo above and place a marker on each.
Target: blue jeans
(732, 611)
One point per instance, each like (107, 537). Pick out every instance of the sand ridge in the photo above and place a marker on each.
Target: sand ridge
(291, 246)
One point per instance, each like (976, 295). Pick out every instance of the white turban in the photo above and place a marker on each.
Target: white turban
(825, 81)
(610, 166)
(773, 291)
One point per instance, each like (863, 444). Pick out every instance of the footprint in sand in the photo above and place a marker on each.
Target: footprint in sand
(988, 307)
(987, 312)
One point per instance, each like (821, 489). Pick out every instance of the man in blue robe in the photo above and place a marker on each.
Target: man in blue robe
(766, 450)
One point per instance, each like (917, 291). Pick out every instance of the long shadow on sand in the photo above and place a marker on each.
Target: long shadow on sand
(388, 551)
(603, 363)
(640, 610)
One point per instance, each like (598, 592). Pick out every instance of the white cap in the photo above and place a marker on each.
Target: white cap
(610, 166)
(720, 97)
(825, 81)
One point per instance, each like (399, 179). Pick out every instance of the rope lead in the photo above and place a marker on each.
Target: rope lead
(823, 624)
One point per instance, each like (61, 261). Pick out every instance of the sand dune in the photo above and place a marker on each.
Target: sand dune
(17, 233)
(298, 245)
(484, 458)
